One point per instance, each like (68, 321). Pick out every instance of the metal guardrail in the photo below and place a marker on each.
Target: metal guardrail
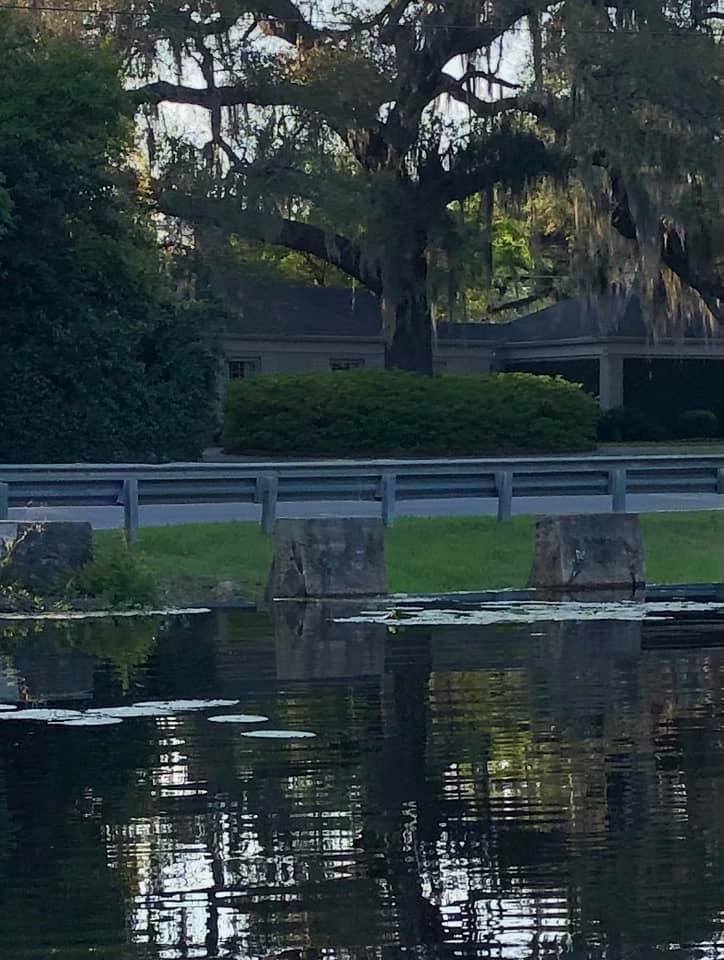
(385, 481)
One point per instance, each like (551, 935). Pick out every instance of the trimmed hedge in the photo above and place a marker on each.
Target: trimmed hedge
(376, 412)
(698, 424)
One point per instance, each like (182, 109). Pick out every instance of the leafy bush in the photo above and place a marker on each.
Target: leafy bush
(697, 424)
(386, 412)
(98, 361)
(117, 576)
(630, 423)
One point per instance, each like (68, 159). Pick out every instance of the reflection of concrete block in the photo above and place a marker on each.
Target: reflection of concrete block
(328, 558)
(310, 646)
(52, 675)
(8, 533)
(589, 551)
(45, 554)
(8, 685)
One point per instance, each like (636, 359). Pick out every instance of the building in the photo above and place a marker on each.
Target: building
(603, 343)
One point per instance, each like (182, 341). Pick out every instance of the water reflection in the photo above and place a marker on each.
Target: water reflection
(502, 791)
(311, 645)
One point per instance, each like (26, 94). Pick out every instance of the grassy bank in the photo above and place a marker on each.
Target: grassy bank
(423, 556)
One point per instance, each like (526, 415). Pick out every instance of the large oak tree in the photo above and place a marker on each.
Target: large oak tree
(410, 108)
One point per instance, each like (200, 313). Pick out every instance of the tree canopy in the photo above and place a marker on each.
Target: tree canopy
(97, 362)
(350, 133)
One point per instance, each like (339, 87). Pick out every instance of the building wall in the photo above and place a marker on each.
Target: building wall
(306, 355)
(300, 356)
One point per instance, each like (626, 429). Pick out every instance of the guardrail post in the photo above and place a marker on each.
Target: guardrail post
(268, 492)
(617, 489)
(389, 498)
(130, 508)
(4, 500)
(504, 485)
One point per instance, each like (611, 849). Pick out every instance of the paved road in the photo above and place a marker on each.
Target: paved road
(106, 517)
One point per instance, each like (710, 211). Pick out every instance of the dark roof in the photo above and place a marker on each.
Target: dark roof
(307, 312)
(338, 312)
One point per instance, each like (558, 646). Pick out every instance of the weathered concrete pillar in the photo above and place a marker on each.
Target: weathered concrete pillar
(588, 552)
(610, 381)
(332, 557)
(41, 556)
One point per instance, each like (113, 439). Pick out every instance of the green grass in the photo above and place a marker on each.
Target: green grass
(684, 547)
(189, 560)
(423, 556)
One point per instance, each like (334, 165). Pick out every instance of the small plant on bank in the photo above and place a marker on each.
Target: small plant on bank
(117, 577)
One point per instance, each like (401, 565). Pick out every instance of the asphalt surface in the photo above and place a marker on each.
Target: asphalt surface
(109, 517)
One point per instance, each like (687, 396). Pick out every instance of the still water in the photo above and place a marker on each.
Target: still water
(512, 791)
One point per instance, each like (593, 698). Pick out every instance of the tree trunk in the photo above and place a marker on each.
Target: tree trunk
(406, 310)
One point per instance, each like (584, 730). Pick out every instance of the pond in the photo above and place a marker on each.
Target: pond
(506, 790)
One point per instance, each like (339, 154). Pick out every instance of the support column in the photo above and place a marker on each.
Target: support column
(610, 382)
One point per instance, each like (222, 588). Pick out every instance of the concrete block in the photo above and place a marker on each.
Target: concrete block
(330, 557)
(588, 552)
(43, 555)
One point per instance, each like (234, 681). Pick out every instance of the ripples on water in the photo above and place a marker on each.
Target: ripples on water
(504, 791)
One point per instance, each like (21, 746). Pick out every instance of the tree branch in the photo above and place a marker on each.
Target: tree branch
(332, 248)
(523, 301)
(283, 19)
(675, 254)
(463, 42)
(494, 108)
(278, 94)
(492, 79)
(509, 159)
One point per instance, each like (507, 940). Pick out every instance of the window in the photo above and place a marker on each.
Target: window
(246, 367)
(346, 363)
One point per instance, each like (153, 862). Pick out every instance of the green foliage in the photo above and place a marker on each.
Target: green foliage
(631, 422)
(97, 363)
(380, 412)
(636, 421)
(117, 576)
(696, 424)
(189, 561)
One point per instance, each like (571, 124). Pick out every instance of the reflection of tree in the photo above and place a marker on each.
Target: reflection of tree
(489, 793)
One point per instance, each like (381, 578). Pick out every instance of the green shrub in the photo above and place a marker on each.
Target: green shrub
(694, 424)
(631, 422)
(117, 577)
(389, 412)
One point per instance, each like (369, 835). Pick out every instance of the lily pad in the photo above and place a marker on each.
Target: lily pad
(87, 721)
(533, 611)
(180, 706)
(105, 614)
(280, 734)
(239, 718)
(44, 714)
(134, 710)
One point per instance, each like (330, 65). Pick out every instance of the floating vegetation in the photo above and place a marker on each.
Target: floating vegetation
(239, 718)
(531, 612)
(104, 614)
(280, 734)
(42, 714)
(180, 706)
(124, 712)
(88, 720)
(106, 716)
(111, 716)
